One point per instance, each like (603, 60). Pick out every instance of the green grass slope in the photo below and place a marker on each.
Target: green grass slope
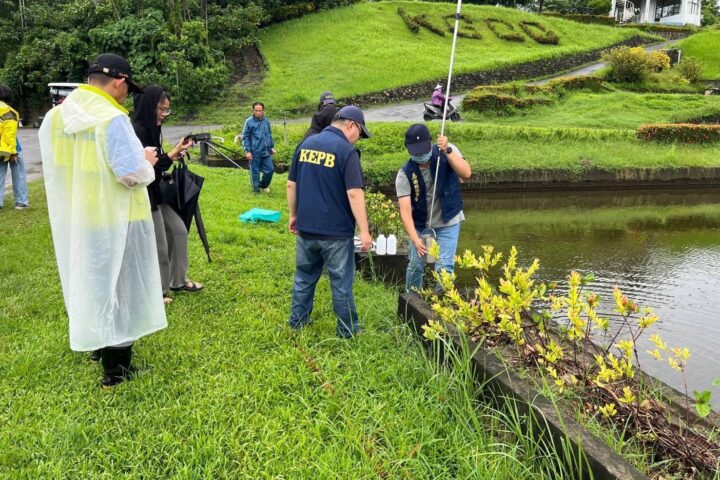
(705, 47)
(607, 110)
(367, 48)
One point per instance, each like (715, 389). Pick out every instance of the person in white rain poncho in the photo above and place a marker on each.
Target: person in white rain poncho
(96, 172)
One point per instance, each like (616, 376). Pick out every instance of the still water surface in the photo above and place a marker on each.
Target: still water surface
(661, 247)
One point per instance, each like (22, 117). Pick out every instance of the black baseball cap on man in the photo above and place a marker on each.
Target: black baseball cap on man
(417, 139)
(114, 66)
(353, 113)
(327, 97)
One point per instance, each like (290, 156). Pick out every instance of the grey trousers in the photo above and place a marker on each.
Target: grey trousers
(172, 246)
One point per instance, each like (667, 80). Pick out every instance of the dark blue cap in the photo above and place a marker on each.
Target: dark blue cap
(327, 97)
(418, 140)
(353, 113)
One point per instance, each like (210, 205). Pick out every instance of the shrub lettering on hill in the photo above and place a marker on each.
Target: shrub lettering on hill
(468, 28)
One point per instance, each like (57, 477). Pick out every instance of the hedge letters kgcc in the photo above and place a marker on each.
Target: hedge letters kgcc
(468, 29)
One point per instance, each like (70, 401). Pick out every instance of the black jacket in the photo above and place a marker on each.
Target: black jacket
(321, 119)
(144, 121)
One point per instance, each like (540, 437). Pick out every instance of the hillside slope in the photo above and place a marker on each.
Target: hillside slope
(367, 48)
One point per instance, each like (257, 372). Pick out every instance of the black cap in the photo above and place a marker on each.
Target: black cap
(114, 66)
(353, 113)
(418, 140)
(327, 97)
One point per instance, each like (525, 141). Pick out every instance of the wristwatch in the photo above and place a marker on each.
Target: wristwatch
(448, 150)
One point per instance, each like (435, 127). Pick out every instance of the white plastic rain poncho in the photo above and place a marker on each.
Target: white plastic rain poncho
(95, 177)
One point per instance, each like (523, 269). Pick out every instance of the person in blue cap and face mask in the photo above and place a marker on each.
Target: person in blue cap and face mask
(414, 188)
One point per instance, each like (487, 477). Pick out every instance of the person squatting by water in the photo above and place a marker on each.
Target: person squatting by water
(324, 115)
(414, 187)
(96, 171)
(11, 151)
(326, 198)
(151, 109)
(259, 146)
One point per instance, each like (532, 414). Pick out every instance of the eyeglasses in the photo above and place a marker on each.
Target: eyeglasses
(165, 111)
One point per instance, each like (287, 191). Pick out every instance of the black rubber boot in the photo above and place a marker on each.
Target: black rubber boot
(112, 367)
(126, 362)
(95, 355)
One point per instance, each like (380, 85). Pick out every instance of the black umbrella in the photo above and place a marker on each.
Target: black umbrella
(186, 203)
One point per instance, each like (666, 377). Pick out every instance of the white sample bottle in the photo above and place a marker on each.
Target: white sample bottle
(381, 245)
(391, 244)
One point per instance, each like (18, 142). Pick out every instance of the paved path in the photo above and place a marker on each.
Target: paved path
(31, 147)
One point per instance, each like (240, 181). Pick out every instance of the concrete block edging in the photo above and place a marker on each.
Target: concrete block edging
(598, 460)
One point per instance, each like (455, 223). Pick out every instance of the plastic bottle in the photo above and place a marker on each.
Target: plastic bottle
(381, 245)
(391, 244)
(428, 239)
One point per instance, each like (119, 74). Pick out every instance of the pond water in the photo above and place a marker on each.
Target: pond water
(661, 247)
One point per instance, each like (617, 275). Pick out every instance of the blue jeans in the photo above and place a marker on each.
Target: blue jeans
(447, 238)
(19, 182)
(339, 258)
(261, 164)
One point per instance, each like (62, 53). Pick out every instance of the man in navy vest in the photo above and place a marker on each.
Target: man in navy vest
(414, 187)
(326, 198)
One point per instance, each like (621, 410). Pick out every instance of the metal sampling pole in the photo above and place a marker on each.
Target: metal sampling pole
(445, 107)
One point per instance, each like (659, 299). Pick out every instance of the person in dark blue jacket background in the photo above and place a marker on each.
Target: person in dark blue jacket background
(414, 187)
(259, 148)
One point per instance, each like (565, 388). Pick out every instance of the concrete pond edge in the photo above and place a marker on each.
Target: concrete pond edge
(601, 461)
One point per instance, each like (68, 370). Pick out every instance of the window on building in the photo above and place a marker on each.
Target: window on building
(667, 8)
(694, 7)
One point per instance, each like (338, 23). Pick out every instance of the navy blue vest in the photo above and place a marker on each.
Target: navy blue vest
(448, 184)
(319, 164)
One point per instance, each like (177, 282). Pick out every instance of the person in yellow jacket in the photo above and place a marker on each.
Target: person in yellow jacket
(10, 151)
(96, 171)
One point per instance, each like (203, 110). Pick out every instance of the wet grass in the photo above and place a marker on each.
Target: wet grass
(607, 110)
(507, 149)
(227, 390)
(703, 46)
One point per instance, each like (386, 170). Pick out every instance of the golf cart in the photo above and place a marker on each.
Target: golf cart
(58, 92)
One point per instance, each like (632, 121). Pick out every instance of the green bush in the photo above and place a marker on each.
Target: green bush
(581, 82)
(679, 132)
(509, 36)
(691, 69)
(546, 38)
(593, 19)
(484, 102)
(627, 64)
(409, 21)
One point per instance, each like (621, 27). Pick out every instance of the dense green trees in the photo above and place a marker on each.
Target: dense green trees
(181, 44)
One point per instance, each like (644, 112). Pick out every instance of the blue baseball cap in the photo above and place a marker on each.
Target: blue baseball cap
(327, 97)
(417, 139)
(353, 113)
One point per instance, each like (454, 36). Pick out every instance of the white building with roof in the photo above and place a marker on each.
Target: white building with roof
(665, 12)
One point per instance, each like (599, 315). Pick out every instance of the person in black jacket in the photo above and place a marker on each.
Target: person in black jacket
(151, 109)
(324, 116)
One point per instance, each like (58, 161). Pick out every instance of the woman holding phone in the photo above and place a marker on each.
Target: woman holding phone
(152, 108)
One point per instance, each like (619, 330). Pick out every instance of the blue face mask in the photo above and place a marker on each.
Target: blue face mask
(421, 158)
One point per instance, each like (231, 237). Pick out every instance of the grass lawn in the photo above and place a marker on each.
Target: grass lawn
(704, 46)
(607, 110)
(227, 390)
(496, 149)
(367, 48)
